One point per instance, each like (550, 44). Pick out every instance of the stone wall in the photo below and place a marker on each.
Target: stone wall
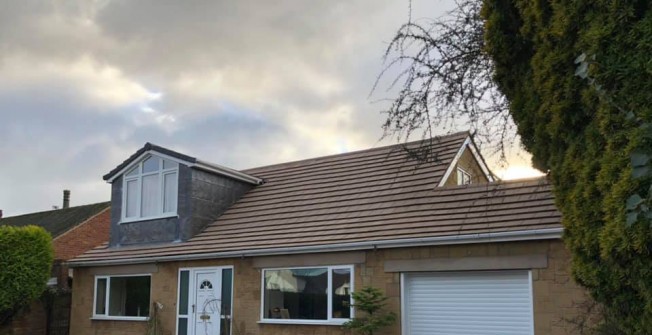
(554, 293)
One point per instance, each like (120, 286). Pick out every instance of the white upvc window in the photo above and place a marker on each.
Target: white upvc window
(123, 297)
(307, 295)
(149, 189)
(463, 177)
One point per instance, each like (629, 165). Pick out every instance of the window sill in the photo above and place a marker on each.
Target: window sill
(120, 318)
(337, 322)
(149, 218)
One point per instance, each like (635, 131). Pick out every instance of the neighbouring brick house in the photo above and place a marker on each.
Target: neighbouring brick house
(74, 231)
(279, 249)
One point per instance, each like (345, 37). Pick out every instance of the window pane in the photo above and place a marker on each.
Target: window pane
(183, 292)
(169, 164)
(341, 293)
(132, 199)
(227, 283)
(183, 326)
(150, 196)
(170, 195)
(151, 164)
(129, 296)
(133, 171)
(100, 297)
(296, 294)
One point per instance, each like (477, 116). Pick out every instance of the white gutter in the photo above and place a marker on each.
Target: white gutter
(522, 235)
(223, 170)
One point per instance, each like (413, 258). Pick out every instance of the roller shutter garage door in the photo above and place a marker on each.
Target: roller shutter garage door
(467, 303)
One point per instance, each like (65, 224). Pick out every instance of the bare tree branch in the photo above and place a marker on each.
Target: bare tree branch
(444, 81)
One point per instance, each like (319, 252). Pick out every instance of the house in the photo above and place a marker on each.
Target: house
(205, 249)
(74, 231)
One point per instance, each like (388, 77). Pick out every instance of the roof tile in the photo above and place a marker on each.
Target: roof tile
(370, 195)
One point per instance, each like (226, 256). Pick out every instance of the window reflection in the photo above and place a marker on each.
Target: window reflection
(341, 293)
(296, 294)
(304, 294)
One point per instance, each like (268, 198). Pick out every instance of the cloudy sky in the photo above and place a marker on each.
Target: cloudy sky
(83, 84)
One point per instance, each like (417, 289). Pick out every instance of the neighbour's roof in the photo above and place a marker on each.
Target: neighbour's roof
(370, 195)
(57, 221)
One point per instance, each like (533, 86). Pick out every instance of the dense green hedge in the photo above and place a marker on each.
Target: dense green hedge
(25, 262)
(581, 133)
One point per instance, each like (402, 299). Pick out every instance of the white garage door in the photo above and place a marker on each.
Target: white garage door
(469, 303)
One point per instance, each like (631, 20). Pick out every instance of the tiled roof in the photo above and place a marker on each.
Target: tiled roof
(370, 195)
(57, 221)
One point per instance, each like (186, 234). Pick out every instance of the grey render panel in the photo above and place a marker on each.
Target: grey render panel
(202, 197)
(210, 195)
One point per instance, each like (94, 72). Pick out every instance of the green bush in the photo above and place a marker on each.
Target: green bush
(586, 132)
(25, 262)
(370, 301)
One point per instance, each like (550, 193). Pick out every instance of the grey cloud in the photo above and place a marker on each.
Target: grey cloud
(243, 83)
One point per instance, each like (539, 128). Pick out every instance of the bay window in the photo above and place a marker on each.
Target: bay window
(307, 295)
(150, 189)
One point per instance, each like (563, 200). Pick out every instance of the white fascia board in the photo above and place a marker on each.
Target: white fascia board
(468, 143)
(210, 167)
(511, 236)
(480, 160)
(140, 157)
(453, 163)
(223, 170)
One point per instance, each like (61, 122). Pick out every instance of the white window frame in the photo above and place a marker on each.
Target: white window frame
(161, 172)
(329, 313)
(464, 173)
(106, 298)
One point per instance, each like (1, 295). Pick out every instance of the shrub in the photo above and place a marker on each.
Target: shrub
(371, 301)
(26, 256)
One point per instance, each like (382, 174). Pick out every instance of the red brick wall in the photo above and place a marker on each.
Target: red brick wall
(84, 237)
(31, 321)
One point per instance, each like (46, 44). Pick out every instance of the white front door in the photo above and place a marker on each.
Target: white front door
(206, 302)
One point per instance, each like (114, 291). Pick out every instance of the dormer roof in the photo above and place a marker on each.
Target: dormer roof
(178, 157)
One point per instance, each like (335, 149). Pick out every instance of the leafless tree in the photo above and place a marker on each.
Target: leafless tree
(445, 82)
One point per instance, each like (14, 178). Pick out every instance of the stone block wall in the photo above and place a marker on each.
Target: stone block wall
(554, 293)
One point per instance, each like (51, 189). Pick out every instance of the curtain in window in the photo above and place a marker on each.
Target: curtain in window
(150, 199)
(170, 194)
(132, 198)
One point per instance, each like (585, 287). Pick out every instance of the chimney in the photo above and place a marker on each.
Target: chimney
(66, 198)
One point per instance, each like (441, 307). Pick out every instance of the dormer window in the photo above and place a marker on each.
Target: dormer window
(150, 189)
(463, 177)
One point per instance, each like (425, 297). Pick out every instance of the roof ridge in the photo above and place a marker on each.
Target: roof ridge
(108, 203)
(384, 147)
